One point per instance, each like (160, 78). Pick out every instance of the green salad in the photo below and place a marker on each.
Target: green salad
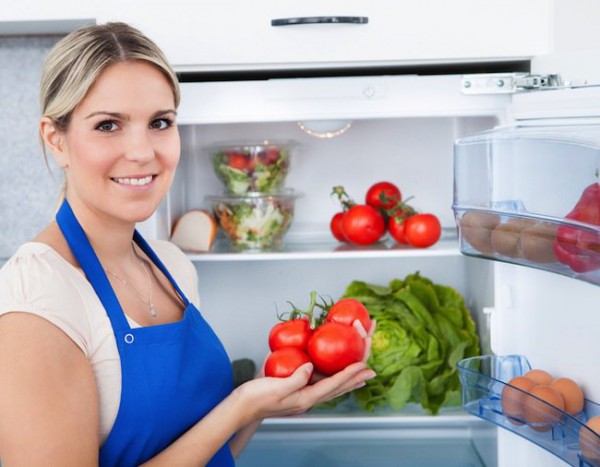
(252, 168)
(255, 224)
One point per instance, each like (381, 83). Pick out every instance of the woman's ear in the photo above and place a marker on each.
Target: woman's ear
(54, 140)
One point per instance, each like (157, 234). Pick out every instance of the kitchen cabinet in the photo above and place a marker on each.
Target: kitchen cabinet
(25, 17)
(228, 35)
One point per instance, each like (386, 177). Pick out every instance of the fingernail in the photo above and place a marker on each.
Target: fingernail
(370, 375)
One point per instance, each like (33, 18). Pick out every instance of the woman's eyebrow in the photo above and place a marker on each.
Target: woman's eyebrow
(122, 116)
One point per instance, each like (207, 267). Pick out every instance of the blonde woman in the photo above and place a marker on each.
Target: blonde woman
(104, 356)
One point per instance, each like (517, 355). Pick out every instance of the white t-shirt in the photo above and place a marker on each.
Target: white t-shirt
(36, 279)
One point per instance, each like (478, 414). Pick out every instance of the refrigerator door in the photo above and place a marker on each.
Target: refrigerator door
(550, 319)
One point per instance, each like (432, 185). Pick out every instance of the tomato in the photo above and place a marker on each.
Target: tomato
(334, 346)
(346, 310)
(336, 227)
(283, 362)
(383, 195)
(422, 230)
(363, 224)
(292, 333)
(237, 160)
(397, 223)
(396, 227)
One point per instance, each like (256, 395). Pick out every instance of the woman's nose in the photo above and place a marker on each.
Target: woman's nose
(139, 146)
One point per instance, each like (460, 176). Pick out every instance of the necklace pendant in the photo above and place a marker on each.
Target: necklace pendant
(153, 311)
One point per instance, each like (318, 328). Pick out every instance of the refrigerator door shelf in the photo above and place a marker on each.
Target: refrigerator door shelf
(483, 381)
(506, 201)
(326, 441)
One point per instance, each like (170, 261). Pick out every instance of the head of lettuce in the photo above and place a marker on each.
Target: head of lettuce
(423, 330)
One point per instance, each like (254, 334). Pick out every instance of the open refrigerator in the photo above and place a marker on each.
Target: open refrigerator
(516, 145)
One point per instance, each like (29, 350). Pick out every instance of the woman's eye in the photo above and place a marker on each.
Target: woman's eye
(161, 123)
(106, 125)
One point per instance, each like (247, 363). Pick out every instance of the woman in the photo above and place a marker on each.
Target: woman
(103, 358)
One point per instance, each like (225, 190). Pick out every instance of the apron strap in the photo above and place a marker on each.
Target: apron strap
(89, 262)
(143, 244)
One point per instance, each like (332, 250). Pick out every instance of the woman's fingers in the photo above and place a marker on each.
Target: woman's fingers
(359, 328)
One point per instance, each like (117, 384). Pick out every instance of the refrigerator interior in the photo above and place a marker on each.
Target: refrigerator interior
(241, 293)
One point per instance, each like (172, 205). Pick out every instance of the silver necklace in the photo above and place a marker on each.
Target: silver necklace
(153, 310)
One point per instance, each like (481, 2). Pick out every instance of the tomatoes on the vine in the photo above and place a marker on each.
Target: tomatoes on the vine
(383, 195)
(334, 346)
(422, 230)
(292, 333)
(336, 227)
(283, 362)
(347, 310)
(363, 224)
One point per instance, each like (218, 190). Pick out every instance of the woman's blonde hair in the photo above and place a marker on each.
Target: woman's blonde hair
(76, 61)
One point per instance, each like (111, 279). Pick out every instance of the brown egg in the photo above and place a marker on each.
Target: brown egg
(476, 228)
(506, 237)
(540, 411)
(589, 441)
(512, 399)
(539, 376)
(537, 241)
(571, 394)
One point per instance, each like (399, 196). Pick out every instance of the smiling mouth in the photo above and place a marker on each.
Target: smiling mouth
(133, 181)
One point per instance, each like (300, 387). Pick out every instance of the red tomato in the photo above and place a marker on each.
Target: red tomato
(237, 160)
(336, 227)
(334, 346)
(397, 223)
(283, 362)
(422, 230)
(396, 227)
(363, 224)
(346, 310)
(292, 333)
(384, 195)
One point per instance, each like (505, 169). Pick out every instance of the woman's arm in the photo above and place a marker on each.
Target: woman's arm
(49, 403)
(48, 397)
(241, 412)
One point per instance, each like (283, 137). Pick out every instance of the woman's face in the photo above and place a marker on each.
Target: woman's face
(122, 145)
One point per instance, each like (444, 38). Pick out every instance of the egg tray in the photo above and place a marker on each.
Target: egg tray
(483, 379)
(531, 247)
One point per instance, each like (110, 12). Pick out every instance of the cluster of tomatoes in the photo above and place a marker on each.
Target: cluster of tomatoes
(383, 211)
(330, 341)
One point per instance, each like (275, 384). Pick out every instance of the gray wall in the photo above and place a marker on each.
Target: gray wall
(28, 191)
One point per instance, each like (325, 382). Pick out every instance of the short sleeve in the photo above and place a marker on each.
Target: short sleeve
(35, 280)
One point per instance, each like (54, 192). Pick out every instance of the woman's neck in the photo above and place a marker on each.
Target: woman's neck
(110, 238)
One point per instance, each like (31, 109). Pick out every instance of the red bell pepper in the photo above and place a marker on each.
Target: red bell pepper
(579, 247)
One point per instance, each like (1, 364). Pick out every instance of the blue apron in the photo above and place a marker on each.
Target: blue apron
(172, 374)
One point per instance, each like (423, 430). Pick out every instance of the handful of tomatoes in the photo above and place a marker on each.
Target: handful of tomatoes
(330, 341)
(383, 211)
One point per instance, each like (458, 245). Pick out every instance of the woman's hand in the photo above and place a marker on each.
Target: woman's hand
(271, 397)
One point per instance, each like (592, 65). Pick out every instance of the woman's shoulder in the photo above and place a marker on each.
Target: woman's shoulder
(36, 270)
(37, 280)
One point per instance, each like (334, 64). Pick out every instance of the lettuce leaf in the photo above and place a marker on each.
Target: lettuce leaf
(423, 330)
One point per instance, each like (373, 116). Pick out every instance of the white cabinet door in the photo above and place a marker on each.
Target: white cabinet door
(21, 17)
(233, 35)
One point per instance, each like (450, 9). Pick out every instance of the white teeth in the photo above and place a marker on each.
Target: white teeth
(134, 181)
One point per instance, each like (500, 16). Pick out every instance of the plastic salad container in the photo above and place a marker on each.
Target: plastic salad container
(252, 167)
(507, 205)
(256, 221)
(483, 381)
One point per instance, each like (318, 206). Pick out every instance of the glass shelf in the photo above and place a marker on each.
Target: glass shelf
(323, 247)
